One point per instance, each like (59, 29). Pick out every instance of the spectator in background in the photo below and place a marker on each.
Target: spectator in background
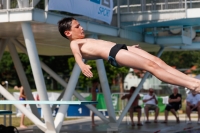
(134, 107)
(94, 91)
(22, 97)
(193, 104)
(150, 101)
(174, 105)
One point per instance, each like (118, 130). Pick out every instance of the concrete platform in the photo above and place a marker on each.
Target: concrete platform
(83, 125)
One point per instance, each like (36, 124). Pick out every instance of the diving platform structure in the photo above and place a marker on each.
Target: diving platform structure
(157, 26)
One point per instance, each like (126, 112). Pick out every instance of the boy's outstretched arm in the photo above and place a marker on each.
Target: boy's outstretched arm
(74, 45)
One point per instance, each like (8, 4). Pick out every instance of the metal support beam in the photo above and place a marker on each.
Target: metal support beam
(2, 48)
(106, 90)
(136, 91)
(67, 96)
(22, 76)
(105, 86)
(76, 94)
(23, 109)
(37, 73)
(63, 83)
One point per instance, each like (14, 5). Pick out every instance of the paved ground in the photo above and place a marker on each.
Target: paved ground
(83, 125)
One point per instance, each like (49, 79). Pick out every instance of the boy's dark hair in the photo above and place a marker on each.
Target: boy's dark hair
(65, 24)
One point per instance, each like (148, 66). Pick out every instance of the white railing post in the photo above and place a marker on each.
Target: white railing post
(19, 2)
(118, 14)
(128, 3)
(185, 4)
(8, 4)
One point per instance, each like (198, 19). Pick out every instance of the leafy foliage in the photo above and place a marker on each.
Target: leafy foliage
(112, 72)
(63, 66)
(182, 59)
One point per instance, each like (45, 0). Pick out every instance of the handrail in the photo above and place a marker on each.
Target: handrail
(15, 4)
(162, 6)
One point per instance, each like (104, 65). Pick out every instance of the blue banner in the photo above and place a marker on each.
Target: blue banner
(97, 9)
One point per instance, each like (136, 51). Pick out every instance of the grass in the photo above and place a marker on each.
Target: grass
(16, 121)
(27, 121)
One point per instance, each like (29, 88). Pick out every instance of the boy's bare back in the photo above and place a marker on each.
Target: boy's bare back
(92, 48)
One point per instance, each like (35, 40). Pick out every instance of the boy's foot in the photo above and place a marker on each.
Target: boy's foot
(139, 124)
(133, 124)
(147, 122)
(155, 121)
(94, 125)
(23, 126)
(189, 122)
(164, 122)
(177, 120)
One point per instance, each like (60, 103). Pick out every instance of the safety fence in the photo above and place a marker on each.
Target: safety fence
(125, 5)
(152, 5)
(13, 4)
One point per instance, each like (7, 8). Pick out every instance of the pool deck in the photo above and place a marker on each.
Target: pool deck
(83, 125)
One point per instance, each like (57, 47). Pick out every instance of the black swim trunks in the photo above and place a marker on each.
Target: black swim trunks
(113, 52)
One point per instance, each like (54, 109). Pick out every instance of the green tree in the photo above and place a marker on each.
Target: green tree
(181, 59)
(58, 64)
(8, 71)
(113, 73)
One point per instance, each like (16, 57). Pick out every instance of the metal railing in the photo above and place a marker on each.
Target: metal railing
(14, 4)
(125, 5)
(153, 5)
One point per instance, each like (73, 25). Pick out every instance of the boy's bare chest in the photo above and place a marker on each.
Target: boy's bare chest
(95, 50)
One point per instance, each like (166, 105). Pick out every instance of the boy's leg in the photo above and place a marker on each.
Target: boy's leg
(166, 116)
(156, 114)
(131, 116)
(161, 63)
(93, 123)
(22, 120)
(146, 108)
(173, 112)
(132, 60)
(188, 111)
(139, 115)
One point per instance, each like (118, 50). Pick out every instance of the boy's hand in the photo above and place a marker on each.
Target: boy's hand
(86, 71)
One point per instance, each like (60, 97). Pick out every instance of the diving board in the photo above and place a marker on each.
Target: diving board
(47, 102)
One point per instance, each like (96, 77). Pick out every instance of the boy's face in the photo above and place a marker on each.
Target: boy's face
(76, 31)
